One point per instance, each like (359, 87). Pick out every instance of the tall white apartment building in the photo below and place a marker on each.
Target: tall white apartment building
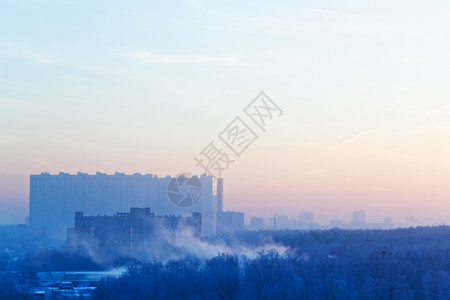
(54, 199)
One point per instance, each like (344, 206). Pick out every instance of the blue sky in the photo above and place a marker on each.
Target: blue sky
(145, 85)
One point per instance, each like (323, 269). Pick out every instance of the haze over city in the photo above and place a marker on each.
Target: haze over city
(238, 150)
(144, 88)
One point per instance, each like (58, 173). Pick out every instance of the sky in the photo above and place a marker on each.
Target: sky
(144, 86)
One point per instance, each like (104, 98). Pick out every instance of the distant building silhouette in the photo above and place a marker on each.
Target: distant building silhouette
(282, 222)
(359, 222)
(218, 193)
(54, 199)
(256, 223)
(127, 230)
(306, 219)
(359, 219)
(338, 223)
(229, 221)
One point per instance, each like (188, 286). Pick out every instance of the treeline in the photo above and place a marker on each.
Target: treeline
(412, 263)
(273, 276)
(338, 241)
(332, 264)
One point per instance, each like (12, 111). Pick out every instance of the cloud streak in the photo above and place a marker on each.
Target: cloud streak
(13, 51)
(151, 57)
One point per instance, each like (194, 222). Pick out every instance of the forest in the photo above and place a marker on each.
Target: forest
(411, 263)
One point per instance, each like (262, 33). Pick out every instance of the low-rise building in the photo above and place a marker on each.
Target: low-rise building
(127, 230)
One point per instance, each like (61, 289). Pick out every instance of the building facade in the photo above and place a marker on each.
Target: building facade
(229, 221)
(128, 230)
(54, 199)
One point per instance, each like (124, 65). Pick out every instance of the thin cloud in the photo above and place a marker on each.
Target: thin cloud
(12, 51)
(150, 57)
(38, 58)
(362, 134)
(429, 113)
(286, 22)
(395, 124)
(30, 57)
(199, 6)
(354, 138)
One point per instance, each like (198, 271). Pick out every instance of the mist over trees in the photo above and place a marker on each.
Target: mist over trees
(333, 264)
(412, 263)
